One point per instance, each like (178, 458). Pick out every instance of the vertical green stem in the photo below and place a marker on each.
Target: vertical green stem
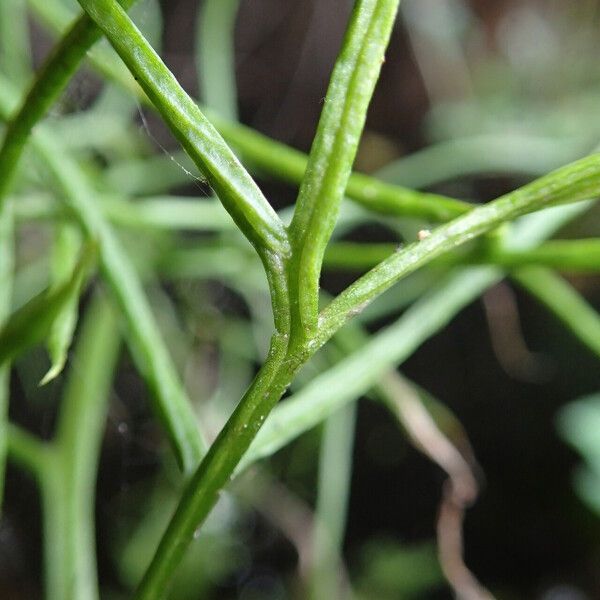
(330, 162)
(215, 56)
(6, 277)
(68, 483)
(201, 493)
(335, 470)
(15, 56)
(58, 562)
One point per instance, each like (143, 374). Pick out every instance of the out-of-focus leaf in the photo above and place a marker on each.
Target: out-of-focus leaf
(391, 570)
(64, 259)
(579, 424)
(215, 57)
(32, 323)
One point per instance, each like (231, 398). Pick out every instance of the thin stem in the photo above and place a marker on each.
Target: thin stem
(57, 568)
(157, 213)
(144, 339)
(69, 487)
(288, 164)
(564, 301)
(330, 161)
(6, 279)
(581, 256)
(26, 450)
(577, 181)
(234, 186)
(202, 491)
(354, 375)
(174, 213)
(335, 471)
(50, 82)
(15, 54)
(215, 56)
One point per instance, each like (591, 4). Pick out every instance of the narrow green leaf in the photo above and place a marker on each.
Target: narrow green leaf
(31, 324)
(64, 258)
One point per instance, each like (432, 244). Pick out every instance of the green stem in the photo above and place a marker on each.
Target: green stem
(354, 375)
(144, 339)
(580, 180)
(57, 562)
(6, 279)
(215, 56)
(158, 212)
(234, 186)
(330, 161)
(562, 300)
(50, 82)
(15, 54)
(201, 493)
(289, 164)
(582, 256)
(68, 487)
(577, 181)
(174, 213)
(335, 471)
(26, 450)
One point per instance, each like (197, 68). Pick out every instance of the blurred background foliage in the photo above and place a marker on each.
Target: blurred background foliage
(476, 97)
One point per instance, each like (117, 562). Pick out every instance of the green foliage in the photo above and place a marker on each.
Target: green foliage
(36, 320)
(472, 248)
(579, 422)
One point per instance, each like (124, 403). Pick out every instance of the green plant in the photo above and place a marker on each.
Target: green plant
(292, 257)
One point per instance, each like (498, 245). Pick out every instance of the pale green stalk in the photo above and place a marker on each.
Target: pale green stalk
(215, 56)
(15, 54)
(335, 471)
(68, 482)
(564, 301)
